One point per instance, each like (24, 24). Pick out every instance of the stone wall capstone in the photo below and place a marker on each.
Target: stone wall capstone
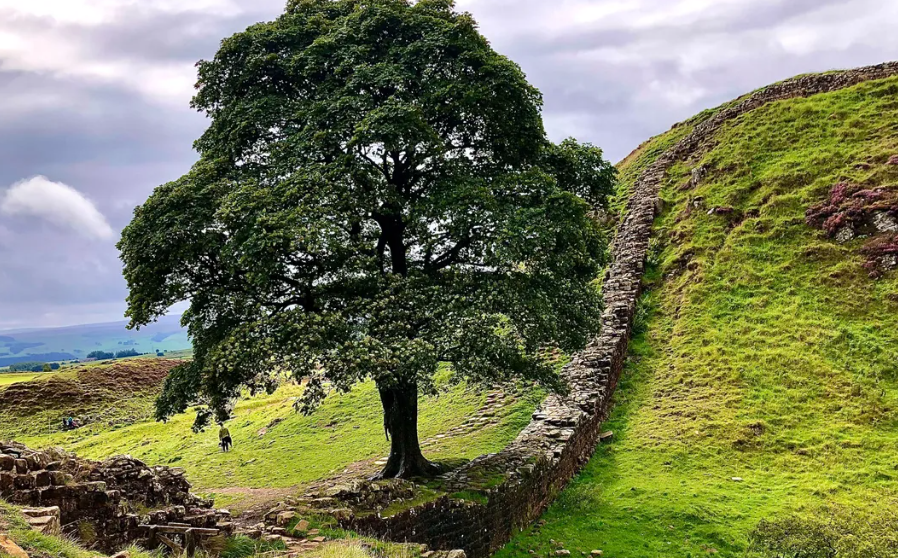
(563, 432)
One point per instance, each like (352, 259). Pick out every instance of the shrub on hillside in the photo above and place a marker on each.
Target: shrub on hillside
(32, 366)
(832, 532)
(852, 205)
(100, 355)
(852, 209)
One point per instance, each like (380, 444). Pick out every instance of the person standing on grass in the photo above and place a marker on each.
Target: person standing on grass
(224, 437)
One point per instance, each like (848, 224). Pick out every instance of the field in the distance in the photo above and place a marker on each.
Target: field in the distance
(16, 377)
(76, 342)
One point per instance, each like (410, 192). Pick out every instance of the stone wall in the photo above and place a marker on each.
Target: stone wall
(146, 486)
(99, 502)
(564, 431)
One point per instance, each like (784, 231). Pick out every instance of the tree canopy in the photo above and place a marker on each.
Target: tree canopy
(375, 195)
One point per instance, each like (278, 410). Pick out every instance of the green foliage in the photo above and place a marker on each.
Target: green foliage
(101, 355)
(770, 355)
(375, 196)
(832, 532)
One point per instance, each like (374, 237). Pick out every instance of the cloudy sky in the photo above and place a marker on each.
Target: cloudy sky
(94, 103)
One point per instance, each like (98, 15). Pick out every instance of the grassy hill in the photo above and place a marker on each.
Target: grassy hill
(759, 412)
(16, 377)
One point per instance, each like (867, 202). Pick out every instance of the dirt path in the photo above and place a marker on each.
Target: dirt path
(254, 502)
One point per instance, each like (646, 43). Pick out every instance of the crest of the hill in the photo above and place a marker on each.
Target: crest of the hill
(759, 412)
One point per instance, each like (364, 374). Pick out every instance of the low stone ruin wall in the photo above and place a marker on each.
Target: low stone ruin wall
(98, 502)
(564, 431)
(147, 486)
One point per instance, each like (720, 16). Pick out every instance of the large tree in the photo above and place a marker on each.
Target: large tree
(375, 196)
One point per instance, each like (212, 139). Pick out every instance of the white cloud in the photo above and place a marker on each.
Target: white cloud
(56, 203)
(36, 36)
(100, 11)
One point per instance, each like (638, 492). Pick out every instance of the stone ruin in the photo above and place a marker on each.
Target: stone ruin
(108, 505)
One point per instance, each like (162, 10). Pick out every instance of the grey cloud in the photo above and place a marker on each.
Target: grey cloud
(722, 18)
(185, 37)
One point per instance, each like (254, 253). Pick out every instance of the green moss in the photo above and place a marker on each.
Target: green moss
(770, 356)
(471, 496)
(422, 496)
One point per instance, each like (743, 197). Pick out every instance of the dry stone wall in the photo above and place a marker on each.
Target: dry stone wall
(564, 430)
(98, 502)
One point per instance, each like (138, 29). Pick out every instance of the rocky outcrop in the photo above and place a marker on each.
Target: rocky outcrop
(98, 502)
(853, 210)
(529, 473)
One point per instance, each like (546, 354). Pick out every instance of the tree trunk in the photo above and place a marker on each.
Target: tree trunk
(401, 425)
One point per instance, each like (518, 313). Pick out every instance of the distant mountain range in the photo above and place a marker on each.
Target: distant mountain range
(75, 342)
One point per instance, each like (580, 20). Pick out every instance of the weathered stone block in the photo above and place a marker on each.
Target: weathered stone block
(8, 547)
(24, 497)
(24, 482)
(41, 478)
(7, 482)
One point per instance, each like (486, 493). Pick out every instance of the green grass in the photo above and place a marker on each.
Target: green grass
(299, 449)
(244, 547)
(769, 354)
(8, 378)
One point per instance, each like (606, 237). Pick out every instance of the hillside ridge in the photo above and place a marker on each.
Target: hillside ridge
(678, 411)
(565, 429)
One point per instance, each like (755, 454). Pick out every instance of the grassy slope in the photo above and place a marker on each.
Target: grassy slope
(348, 428)
(772, 357)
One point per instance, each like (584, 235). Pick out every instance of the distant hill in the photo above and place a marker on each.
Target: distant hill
(75, 342)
